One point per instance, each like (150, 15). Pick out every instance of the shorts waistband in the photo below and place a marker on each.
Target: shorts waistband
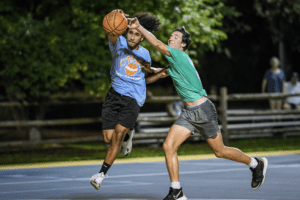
(196, 106)
(115, 93)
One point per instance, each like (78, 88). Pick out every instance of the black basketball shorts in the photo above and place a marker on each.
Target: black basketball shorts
(119, 109)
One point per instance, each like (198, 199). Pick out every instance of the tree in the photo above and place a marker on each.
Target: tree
(48, 45)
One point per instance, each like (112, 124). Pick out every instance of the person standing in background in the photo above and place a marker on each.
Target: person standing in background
(290, 88)
(275, 79)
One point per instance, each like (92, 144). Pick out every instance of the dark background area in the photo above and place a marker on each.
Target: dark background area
(250, 54)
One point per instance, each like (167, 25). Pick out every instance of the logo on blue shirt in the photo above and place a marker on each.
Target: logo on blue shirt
(132, 66)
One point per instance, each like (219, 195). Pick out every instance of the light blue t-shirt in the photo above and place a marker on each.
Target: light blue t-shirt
(275, 81)
(127, 73)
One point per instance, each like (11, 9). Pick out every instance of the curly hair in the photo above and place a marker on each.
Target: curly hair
(148, 21)
(186, 37)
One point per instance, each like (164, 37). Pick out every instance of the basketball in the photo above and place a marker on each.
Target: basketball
(114, 23)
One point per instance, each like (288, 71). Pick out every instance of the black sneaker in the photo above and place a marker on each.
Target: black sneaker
(175, 194)
(259, 173)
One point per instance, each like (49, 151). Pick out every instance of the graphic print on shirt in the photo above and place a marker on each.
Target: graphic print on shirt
(127, 73)
(131, 66)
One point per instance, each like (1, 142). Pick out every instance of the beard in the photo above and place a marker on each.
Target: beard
(133, 46)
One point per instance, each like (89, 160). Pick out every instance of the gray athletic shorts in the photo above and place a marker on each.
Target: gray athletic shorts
(202, 118)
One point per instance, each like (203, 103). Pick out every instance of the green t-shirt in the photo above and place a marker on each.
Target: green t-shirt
(184, 75)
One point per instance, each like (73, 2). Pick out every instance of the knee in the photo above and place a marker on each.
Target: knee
(168, 147)
(107, 140)
(107, 137)
(220, 153)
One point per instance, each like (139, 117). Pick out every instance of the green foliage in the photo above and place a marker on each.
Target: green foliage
(202, 18)
(43, 56)
(47, 45)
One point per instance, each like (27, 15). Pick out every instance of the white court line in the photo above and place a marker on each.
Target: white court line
(124, 176)
(73, 188)
(152, 174)
(211, 164)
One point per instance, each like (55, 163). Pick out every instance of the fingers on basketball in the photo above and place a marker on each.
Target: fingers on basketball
(132, 21)
(115, 24)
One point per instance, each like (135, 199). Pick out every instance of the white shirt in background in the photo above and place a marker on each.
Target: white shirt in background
(291, 89)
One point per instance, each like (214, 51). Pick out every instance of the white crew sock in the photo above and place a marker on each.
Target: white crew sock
(175, 185)
(253, 163)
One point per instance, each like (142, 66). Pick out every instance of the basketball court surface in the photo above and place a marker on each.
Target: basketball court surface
(202, 177)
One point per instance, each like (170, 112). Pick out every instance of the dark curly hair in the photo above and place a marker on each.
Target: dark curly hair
(186, 37)
(148, 21)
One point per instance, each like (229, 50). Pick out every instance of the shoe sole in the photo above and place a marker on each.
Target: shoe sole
(126, 154)
(129, 140)
(182, 198)
(264, 172)
(95, 185)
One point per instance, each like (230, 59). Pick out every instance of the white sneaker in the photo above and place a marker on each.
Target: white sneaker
(126, 145)
(97, 179)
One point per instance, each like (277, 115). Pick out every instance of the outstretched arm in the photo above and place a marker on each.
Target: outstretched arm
(134, 23)
(160, 74)
(147, 67)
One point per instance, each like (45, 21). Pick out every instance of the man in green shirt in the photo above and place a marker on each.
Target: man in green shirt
(200, 113)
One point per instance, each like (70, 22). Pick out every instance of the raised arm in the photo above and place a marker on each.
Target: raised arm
(114, 38)
(134, 23)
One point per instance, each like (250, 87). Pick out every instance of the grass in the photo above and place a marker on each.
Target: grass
(93, 151)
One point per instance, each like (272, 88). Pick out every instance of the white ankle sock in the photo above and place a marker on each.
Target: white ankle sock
(175, 185)
(253, 163)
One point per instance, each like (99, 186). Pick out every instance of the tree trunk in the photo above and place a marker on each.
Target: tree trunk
(20, 113)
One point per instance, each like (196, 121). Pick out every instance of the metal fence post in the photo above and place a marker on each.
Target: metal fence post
(223, 103)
